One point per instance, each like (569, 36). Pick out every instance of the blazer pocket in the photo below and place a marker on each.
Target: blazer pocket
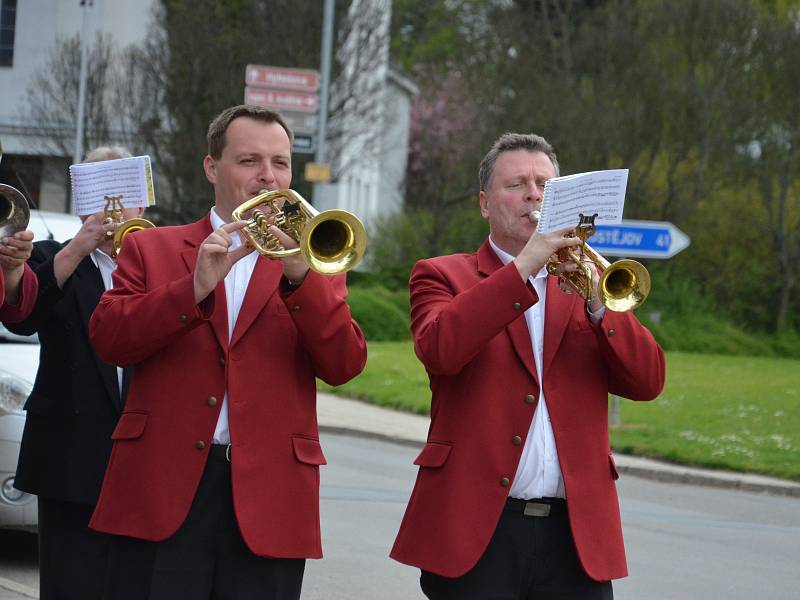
(434, 454)
(613, 465)
(130, 426)
(308, 451)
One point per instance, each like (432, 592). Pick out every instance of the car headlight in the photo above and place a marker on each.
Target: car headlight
(14, 391)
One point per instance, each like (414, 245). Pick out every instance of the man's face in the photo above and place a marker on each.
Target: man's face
(515, 189)
(257, 156)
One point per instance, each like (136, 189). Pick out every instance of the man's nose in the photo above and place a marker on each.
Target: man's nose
(265, 173)
(533, 193)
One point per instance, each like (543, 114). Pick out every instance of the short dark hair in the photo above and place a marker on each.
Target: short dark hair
(218, 127)
(509, 142)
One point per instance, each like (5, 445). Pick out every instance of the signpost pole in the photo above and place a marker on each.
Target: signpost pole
(324, 85)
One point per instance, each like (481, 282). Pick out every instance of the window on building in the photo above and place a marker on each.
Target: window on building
(8, 20)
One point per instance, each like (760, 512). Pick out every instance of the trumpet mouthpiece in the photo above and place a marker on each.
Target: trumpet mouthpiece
(535, 216)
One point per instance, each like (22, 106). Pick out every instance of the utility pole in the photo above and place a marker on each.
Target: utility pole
(325, 79)
(78, 153)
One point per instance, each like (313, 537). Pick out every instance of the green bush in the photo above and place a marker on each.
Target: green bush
(381, 314)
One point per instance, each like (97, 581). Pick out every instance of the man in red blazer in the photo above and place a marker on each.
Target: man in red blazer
(515, 496)
(212, 489)
(18, 283)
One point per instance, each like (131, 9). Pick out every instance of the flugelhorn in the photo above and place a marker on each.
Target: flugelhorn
(113, 213)
(624, 284)
(331, 242)
(14, 210)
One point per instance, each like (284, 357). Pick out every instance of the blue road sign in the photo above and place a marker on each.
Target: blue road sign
(639, 239)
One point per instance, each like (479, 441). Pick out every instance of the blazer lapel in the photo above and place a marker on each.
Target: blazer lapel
(263, 284)
(488, 263)
(219, 319)
(558, 310)
(88, 289)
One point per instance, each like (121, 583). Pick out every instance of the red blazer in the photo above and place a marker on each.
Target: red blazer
(13, 313)
(182, 366)
(471, 335)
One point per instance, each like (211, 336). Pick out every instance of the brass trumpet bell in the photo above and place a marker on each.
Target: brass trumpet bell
(624, 285)
(14, 211)
(331, 242)
(113, 213)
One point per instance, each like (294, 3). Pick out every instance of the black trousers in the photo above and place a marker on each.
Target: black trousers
(72, 557)
(528, 558)
(206, 559)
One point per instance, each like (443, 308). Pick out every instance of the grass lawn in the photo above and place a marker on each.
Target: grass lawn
(732, 412)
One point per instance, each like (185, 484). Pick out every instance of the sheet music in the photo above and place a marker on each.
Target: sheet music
(131, 178)
(601, 192)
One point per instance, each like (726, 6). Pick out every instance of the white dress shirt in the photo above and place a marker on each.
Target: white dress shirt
(539, 472)
(236, 282)
(107, 266)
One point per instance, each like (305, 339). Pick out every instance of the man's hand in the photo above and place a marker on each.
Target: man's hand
(540, 247)
(14, 251)
(294, 267)
(214, 261)
(90, 236)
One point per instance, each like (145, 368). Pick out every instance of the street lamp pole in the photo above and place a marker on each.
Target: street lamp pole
(78, 153)
(325, 79)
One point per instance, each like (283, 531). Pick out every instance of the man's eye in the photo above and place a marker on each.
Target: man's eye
(515, 185)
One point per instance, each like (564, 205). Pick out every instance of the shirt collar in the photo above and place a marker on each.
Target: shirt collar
(99, 257)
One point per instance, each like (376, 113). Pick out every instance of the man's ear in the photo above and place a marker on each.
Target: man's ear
(484, 202)
(210, 167)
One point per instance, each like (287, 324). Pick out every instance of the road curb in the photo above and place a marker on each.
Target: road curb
(653, 470)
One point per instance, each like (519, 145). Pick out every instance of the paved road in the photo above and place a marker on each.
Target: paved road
(683, 541)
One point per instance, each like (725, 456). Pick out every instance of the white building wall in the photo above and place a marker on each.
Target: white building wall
(38, 24)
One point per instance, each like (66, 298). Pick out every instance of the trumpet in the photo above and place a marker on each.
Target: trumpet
(624, 284)
(331, 242)
(113, 213)
(14, 210)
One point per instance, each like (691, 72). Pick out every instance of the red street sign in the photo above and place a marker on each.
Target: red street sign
(302, 80)
(281, 100)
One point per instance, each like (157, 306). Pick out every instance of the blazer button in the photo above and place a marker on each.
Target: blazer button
(529, 399)
(212, 401)
(184, 318)
(517, 305)
(200, 444)
(516, 440)
(611, 333)
(505, 482)
(296, 308)
(221, 361)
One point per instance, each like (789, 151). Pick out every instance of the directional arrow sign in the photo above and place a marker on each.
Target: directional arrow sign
(281, 99)
(639, 239)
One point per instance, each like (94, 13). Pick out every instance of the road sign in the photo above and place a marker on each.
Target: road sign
(301, 80)
(281, 99)
(318, 172)
(299, 122)
(304, 144)
(639, 239)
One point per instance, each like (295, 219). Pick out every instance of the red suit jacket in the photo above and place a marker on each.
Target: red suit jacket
(182, 366)
(471, 335)
(12, 313)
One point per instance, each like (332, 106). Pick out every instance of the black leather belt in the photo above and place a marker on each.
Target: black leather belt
(537, 507)
(221, 451)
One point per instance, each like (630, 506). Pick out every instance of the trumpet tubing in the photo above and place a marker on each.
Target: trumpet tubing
(330, 242)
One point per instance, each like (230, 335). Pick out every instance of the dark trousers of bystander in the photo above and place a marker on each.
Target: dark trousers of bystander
(72, 558)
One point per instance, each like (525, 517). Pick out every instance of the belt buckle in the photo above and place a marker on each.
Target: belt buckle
(228, 453)
(536, 509)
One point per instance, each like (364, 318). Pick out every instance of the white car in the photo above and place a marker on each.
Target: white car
(19, 361)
